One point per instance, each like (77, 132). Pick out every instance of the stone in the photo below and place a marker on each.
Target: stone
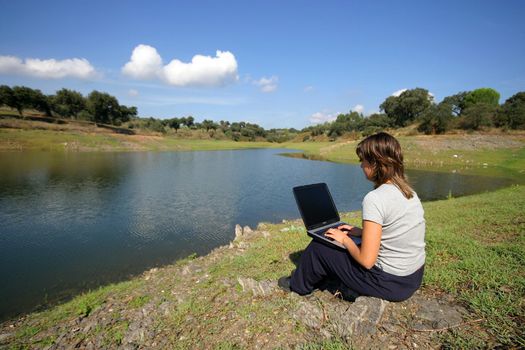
(238, 231)
(310, 314)
(243, 245)
(191, 269)
(265, 234)
(431, 314)
(246, 230)
(166, 308)
(342, 319)
(5, 336)
(262, 226)
(262, 288)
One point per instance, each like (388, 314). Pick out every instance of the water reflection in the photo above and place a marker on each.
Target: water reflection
(74, 221)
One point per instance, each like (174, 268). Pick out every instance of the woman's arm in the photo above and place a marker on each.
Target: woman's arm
(366, 254)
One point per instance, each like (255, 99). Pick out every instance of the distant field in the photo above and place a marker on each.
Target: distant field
(491, 154)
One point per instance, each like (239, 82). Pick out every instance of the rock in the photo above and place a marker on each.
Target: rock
(342, 319)
(265, 234)
(5, 336)
(261, 226)
(238, 231)
(262, 288)
(190, 269)
(89, 324)
(310, 314)
(246, 230)
(243, 245)
(431, 314)
(166, 308)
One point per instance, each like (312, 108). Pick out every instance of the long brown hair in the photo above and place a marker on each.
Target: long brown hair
(383, 152)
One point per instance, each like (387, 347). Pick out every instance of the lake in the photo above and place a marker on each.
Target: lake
(70, 222)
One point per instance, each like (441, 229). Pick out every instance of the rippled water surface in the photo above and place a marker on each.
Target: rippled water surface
(70, 222)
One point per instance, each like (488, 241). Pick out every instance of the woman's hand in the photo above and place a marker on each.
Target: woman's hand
(337, 235)
(353, 230)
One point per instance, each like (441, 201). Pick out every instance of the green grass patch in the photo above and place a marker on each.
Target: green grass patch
(139, 301)
(476, 251)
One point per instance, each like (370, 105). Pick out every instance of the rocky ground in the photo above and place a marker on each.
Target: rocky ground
(189, 305)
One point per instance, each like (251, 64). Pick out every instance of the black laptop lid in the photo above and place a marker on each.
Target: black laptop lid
(316, 205)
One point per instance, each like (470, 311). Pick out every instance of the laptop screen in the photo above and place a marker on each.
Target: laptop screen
(316, 205)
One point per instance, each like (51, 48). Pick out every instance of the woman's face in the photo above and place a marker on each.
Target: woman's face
(367, 169)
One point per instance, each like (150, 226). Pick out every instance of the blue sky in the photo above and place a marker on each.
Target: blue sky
(275, 63)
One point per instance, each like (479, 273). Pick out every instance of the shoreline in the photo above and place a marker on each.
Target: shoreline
(207, 287)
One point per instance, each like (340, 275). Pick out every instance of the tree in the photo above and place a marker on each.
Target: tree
(209, 124)
(486, 96)
(188, 121)
(68, 103)
(235, 127)
(407, 107)
(103, 107)
(436, 119)
(174, 123)
(224, 125)
(40, 102)
(375, 123)
(478, 116)
(7, 98)
(126, 113)
(22, 98)
(457, 102)
(512, 112)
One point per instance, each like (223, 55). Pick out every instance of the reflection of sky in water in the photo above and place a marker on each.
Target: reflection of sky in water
(74, 221)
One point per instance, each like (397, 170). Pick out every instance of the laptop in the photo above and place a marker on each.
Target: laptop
(319, 213)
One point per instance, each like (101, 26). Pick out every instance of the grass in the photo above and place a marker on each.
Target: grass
(489, 155)
(44, 140)
(496, 154)
(475, 252)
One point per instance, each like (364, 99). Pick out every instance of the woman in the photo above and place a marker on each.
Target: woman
(389, 263)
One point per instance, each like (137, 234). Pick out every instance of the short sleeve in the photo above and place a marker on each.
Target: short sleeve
(372, 209)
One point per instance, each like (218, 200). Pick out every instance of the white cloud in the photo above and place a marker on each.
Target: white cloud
(267, 84)
(146, 63)
(133, 92)
(398, 92)
(322, 117)
(48, 69)
(358, 108)
(308, 88)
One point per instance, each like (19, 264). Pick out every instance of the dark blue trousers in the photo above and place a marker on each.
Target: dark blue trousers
(320, 262)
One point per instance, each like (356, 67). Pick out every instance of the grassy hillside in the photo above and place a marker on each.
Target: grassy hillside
(482, 154)
(491, 154)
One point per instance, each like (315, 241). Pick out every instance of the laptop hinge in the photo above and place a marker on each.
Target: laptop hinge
(322, 224)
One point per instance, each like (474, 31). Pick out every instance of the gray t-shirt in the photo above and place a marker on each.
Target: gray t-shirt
(402, 249)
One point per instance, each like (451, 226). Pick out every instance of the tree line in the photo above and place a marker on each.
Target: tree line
(103, 108)
(468, 110)
(99, 107)
(236, 131)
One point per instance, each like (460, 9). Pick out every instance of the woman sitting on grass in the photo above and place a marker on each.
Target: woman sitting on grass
(389, 263)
